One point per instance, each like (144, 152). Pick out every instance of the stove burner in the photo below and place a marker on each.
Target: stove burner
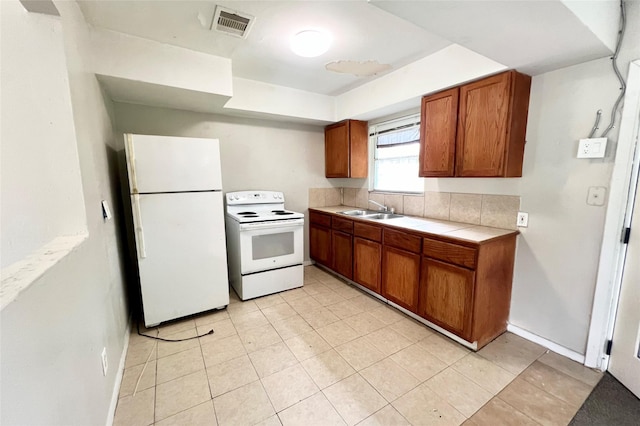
(277, 211)
(250, 215)
(282, 213)
(245, 213)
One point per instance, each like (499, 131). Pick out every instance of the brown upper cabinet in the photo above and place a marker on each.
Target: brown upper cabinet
(438, 124)
(345, 149)
(477, 129)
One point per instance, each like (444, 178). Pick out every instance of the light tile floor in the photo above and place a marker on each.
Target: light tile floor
(329, 354)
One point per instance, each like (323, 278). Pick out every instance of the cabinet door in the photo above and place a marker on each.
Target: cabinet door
(438, 123)
(400, 275)
(358, 149)
(367, 263)
(482, 127)
(446, 296)
(342, 253)
(320, 245)
(336, 150)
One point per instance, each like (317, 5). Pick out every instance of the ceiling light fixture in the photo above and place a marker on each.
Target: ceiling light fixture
(310, 43)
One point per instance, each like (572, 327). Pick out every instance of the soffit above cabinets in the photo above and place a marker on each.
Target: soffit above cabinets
(405, 38)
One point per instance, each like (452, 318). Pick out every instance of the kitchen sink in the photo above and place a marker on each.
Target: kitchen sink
(382, 216)
(371, 214)
(357, 212)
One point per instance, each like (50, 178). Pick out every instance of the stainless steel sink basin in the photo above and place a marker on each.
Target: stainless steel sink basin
(382, 216)
(370, 214)
(357, 212)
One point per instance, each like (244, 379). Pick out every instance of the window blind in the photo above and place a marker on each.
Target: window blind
(405, 130)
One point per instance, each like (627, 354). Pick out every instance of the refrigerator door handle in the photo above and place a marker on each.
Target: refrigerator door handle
(138, 225)
(131, 164)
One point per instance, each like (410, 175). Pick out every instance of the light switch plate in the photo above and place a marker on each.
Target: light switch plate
(523, 220)
(592, 148)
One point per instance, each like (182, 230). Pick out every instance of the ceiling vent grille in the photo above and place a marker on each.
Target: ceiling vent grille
(232, 22)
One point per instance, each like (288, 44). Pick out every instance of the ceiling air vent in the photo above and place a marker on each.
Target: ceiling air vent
(232, 22)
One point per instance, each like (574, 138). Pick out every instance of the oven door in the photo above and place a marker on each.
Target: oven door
(270, 245)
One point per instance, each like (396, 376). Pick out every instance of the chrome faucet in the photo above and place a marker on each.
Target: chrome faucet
(383, 208)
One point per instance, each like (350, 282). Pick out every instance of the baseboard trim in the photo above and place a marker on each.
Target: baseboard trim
(119, 374)
(546, 343)
(308, 263)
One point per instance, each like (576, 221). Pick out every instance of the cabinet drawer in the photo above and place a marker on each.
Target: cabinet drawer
(402, 240)
(367, 231)
(343, 225)
(320, 219)
(450, 253)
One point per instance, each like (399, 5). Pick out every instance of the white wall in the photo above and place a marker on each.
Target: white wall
(557, 257)
(54, 332)
(255, 154)
(41, 189)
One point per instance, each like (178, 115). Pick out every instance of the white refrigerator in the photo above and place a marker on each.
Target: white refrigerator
(175, 187)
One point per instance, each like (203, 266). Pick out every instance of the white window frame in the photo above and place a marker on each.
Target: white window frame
(381, 126)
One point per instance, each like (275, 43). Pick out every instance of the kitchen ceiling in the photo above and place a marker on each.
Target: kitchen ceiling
(532, 36)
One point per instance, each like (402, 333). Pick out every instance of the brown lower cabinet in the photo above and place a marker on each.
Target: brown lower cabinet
(320, 245)
(320, 238)
(400, 277)
(367, 258)
(460, 286)
(342, 253)
(446, 296)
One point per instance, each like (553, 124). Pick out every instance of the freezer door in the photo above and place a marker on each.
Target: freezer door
(172, 164)
(181, 253)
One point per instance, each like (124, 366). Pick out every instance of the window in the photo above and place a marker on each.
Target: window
(396, 146)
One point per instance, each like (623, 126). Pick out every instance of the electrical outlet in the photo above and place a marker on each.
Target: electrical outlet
(523, 220)
(592, 148)
(105, 364)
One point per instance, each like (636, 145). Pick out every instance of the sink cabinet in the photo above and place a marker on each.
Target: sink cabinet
(367, 256)
(345, 149)
(460, 286)
(401, 268)
(477, 129)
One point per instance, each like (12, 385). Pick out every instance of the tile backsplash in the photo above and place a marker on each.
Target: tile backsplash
(498, 211)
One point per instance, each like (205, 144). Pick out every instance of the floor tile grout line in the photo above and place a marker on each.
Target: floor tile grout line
(295, 403)
(443, 399)
(155, 388)
(547, 351)
(397, 398)
(546, 391)
(537, 387)
(206, 372)
(512, 407)
(480, 384)
(331, 403)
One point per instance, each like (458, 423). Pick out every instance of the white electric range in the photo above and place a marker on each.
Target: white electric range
(265, 243)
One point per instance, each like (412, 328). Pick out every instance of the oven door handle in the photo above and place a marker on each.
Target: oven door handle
(275, 224)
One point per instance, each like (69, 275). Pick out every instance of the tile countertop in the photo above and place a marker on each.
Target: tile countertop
(456, 230)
